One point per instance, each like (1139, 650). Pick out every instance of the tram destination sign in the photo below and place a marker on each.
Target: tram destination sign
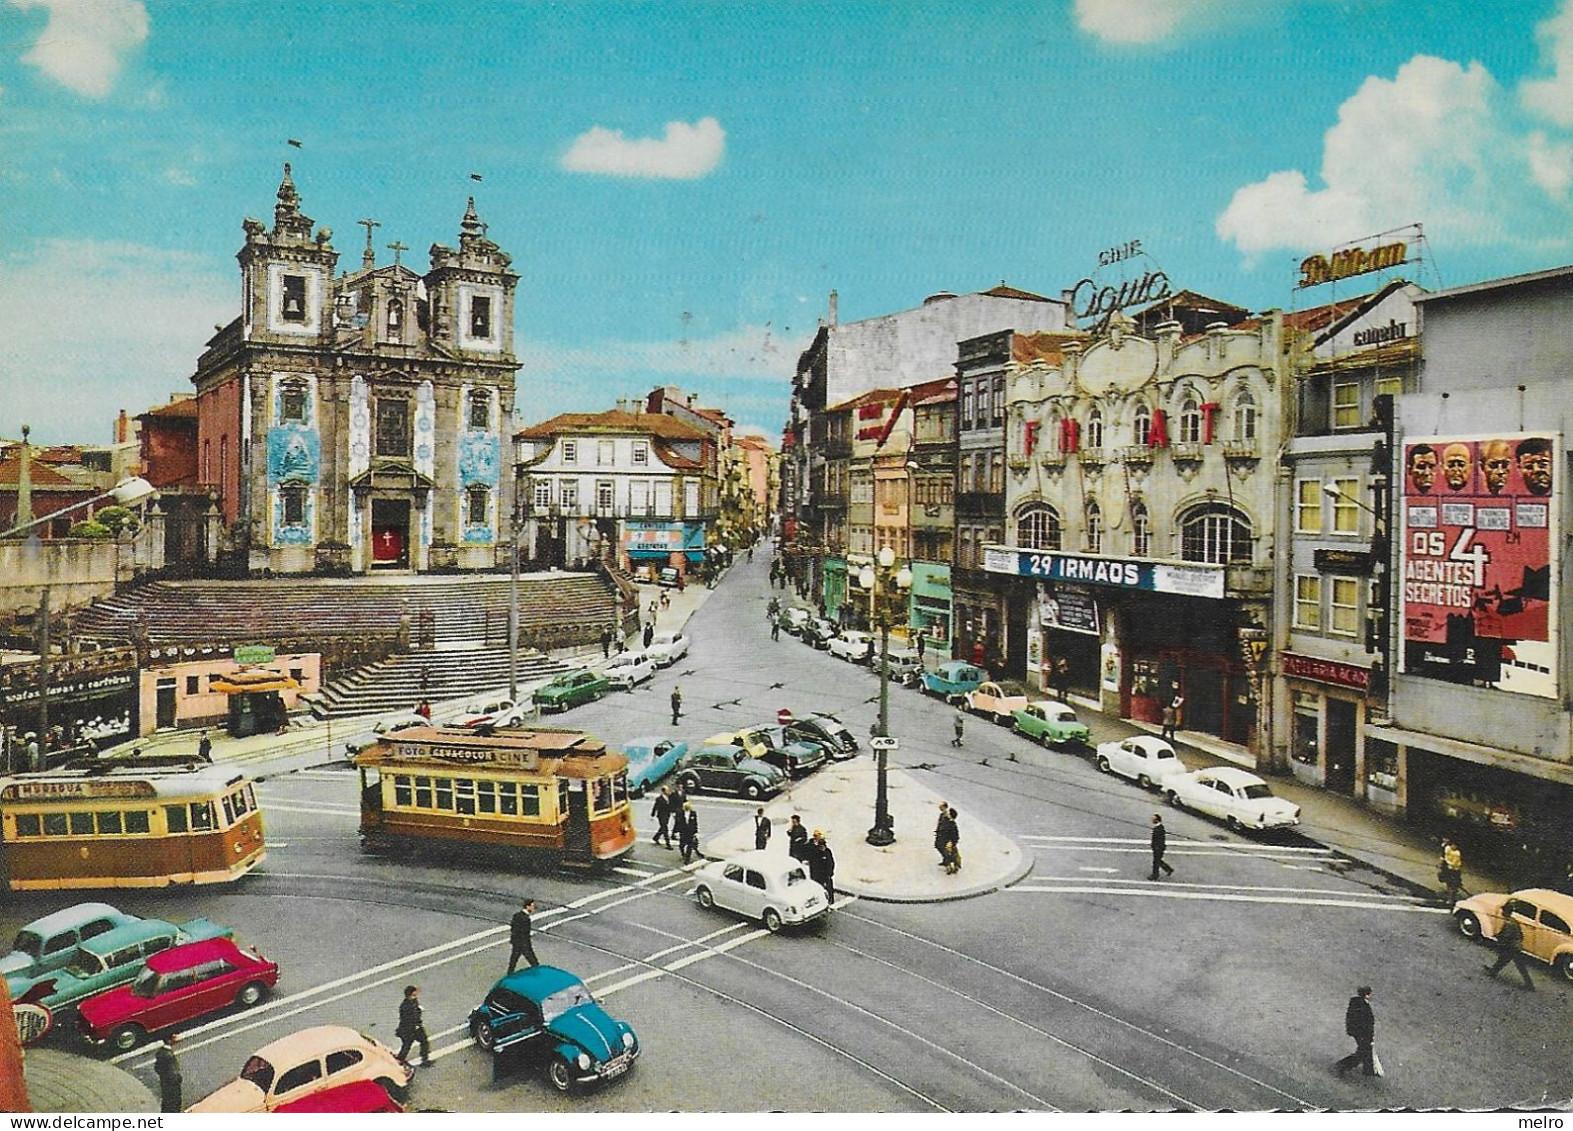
(1186, 579)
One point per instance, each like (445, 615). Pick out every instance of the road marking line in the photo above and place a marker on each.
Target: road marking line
(1198, 851)
(633, 872)
(1222, 898)
(1084, 868)
(1273, 848)
(271, 808)
(1235, 887)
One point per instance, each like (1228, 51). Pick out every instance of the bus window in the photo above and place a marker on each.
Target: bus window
(444, 793)
(201, 816)
(81, 824)
(175, 818)
(403, 795)
(464, 795)
(423, 793)
(486, 796)
(109, 824)
(137, 821)
(54, 824)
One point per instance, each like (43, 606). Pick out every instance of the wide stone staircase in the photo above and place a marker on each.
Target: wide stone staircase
(396, 684)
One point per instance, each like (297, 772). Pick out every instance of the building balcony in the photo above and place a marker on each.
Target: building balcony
(1091, 457)
(980, 502)
(1187, 453)
(1136, 455)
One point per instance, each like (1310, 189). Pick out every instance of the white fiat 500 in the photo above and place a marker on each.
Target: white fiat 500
(1239, 799)
(1146, 760)
(768, 886)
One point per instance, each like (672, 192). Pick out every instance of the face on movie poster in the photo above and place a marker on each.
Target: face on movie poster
(1479, 516)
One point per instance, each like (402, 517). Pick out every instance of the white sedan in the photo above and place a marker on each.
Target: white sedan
(850, 645)
(666, 648)
(1146, 760)
(501, 712)
(1239, 799)
(628, 669)
(768, 886)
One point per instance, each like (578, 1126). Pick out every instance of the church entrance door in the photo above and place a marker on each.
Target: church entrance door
(390, 534)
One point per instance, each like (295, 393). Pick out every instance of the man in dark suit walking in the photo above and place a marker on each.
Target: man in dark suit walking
(519, 935)
(1510, 948)
(166, 1065)
(1160, 844)
(761, 829)
(1360, 1023)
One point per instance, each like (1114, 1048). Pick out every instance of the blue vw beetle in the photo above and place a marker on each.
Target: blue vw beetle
(550, 1013)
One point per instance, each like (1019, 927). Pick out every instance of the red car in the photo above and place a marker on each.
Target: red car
(178, 985)
(359, 1096)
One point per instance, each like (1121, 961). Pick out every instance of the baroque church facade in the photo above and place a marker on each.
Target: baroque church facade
(358, 422)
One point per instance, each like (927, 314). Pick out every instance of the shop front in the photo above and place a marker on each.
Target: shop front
(1327, 735)
(1067, 648)
(931, 606)
(648, 547)
(833, 598)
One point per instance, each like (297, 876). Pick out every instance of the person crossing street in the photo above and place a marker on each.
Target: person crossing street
(1510, 948)
(1160, 844)
(677, 704)
(1360, 1023)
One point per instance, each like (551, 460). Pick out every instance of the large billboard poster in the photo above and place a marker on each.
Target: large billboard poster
(1479, 553)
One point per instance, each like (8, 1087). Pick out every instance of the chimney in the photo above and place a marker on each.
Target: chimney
(832, 319)
(122, 428)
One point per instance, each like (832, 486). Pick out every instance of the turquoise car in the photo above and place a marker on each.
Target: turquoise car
(571, 689)
(953, 679)
(1052, 724)
(650, 760)
(49, 943)
(108, 960)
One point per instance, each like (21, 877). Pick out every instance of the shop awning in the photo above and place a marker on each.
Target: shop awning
(241, 682)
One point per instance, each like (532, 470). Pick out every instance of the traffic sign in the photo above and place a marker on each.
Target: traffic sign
(883, 742)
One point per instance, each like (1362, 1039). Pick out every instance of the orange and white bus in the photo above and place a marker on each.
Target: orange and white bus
(552, 795)
(114, 825)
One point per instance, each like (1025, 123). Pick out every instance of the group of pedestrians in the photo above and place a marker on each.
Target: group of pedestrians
(813, 852)
(674, 814)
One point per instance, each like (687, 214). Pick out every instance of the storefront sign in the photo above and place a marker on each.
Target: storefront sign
(1071, 608)
(1479, 553)
(1394, 331)
(247, 654)
(1348, 262)
(1344, 561)
(1326, 671)
(1190, 579)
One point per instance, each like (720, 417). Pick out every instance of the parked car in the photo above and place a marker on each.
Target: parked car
(727, 769)
(492, 712)
(1146, 760)
(304, 1064)
(1545, 916)
(827, 730)
(666, 648)
(388, 724)
(768, 886)
(818, 633)
(627, 670)
(1051, 723)
(906, 668)
(359, 1097)
(49, 942)
(992, 702)
(852, 645)
(571, 689)
(108, 960)
(552, 1014)
(1239, 799)
(793, 620)
(772, 744)
(953, 679)
(177, 985)
(669, 576)
(650, 760)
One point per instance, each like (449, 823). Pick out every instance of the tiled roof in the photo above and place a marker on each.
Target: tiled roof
(873, 396)
(613, 421)
(1042, 345)
(43, 476)
(1006, 291)
(186, 406)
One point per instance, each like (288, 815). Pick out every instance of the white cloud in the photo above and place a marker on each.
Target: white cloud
(84, 41)
(685, 153)
(1138, 21)
(1551, 164)
(1428, 145)
(1552, 97)
(96, 327)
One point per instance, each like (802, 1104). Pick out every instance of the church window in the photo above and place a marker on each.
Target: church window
(480, 317)
(292, 402)
(477, 505)
(393, 427)
(294, 305)
(480, 410)
(294, 500)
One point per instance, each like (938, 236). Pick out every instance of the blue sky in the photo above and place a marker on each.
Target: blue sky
(681, 184)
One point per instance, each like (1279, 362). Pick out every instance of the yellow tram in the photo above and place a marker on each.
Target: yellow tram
(558, 796)
(107, 824)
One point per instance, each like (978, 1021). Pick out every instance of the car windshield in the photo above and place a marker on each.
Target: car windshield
(29, 943)
(569, 997)
(146, 984)
(1258, 791)
(258, 1072)
(84, 964)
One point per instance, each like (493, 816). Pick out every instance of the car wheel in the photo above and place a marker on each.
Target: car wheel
(1103, 765)
(250, 994)
(1233, 823)
(772, 920)
(1144, 781)
(1174, 800)
(752, 791)
(127, 1037)
(482, 1033)
(560, 1073)
(398, 1091)
(1564, 966)
(1468, 924)
(703, 895)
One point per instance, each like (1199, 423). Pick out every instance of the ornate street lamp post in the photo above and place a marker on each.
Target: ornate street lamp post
(521, 512)
(880, 579)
